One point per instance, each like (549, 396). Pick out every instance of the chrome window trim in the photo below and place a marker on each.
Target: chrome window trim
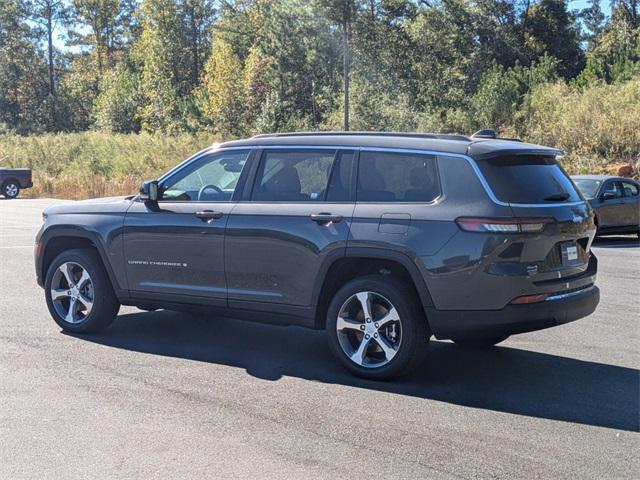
(470, 160)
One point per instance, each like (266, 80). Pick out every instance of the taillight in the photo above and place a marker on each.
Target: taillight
(503, 225)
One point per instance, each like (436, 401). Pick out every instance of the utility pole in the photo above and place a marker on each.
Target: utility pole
(345, 68)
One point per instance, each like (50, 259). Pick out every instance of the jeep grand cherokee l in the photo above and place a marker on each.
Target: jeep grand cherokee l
(381, 239)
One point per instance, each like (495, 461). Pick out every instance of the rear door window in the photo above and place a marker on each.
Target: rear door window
(528, 179)
(293, 176)
(630, 189)
(397, 177)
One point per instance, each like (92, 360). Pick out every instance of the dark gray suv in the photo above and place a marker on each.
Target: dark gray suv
(381, 239)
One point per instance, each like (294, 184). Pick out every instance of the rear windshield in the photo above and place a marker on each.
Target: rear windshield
(528, 179)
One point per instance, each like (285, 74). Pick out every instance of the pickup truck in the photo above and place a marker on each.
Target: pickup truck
(13, 180)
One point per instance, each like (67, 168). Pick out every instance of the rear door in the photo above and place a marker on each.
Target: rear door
(631, 205)
(297, 215)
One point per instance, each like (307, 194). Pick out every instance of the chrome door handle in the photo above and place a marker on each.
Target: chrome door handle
(324, 218)
(208, 215)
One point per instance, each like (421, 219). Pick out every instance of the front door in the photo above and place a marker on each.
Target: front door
(631, 203)
(297, 217)
(176, 246)
(609, 209)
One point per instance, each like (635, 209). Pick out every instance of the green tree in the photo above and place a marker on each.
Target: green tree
(159, 53)
(224, 93)
(47, 14)
(101, 18)
(197, 17)
(615, 55)
(593, 19)
(553, 30)
(116, 107)
(445, 55)
(23, 72)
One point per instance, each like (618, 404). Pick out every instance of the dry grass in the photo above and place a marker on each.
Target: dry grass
(598, 127)
(94, 164)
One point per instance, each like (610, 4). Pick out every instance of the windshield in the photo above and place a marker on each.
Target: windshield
(588, 187)
(528, 179)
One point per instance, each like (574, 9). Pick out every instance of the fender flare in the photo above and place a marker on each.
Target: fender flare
(70, 231)
(377, 254)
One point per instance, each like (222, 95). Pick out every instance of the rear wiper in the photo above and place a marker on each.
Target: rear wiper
(557, 197)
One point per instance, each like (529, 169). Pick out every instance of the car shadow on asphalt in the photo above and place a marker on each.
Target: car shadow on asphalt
(626, 241)
(502, 378)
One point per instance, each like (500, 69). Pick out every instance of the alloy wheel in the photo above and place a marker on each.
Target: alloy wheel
(72, 292)
(11, 190)
(369, 329)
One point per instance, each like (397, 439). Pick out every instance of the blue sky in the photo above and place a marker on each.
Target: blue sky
(580, 4)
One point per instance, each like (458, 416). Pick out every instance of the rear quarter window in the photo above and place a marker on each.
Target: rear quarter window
(528, 179)
(397, 177)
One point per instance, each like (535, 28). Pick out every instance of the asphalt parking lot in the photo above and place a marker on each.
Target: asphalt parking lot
(168, 395)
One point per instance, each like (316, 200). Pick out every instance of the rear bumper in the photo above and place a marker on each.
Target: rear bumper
(512, 319)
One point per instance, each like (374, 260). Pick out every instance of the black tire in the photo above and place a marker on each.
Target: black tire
(480, 342)
(415, 329)
(10, 189)
(105, 303)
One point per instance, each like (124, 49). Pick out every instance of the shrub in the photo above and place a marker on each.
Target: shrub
(593, 125)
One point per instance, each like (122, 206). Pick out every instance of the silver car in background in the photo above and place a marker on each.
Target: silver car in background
(615, 201)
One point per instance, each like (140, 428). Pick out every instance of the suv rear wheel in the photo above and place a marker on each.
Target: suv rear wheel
(78, 291)
(376, 329)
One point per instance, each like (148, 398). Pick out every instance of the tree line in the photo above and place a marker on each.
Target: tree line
(237, 67)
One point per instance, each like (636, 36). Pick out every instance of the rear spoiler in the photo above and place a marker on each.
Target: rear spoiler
(484, 149)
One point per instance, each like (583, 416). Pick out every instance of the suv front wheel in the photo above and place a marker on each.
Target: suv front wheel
(78, 291)
(376, 329)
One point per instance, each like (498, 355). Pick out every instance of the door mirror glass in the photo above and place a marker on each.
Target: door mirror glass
(149, 191)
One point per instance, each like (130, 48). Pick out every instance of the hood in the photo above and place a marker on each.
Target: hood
(93, 205)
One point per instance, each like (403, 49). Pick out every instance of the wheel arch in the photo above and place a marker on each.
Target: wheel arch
(9, 179)
(60, 240)
(358, 262)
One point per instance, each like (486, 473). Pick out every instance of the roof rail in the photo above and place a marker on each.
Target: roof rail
(437, 136)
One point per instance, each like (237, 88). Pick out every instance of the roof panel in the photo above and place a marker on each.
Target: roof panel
(457, 144)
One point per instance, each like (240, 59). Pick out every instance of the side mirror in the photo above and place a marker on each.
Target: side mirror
(149, 191)
(607, 196)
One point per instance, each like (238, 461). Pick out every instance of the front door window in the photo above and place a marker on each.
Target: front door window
(212, 178)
